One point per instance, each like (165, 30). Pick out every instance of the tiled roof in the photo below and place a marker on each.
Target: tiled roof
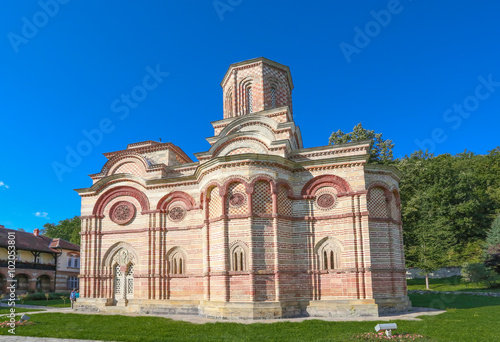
(29, 242)
(60, 243)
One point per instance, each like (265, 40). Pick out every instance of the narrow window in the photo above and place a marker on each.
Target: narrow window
(325, 260)
(229, 104)
(249, 100)
(332, 263)
(273, 97)
(241, 261)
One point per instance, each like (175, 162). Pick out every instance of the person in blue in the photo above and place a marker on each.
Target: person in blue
(72, 298)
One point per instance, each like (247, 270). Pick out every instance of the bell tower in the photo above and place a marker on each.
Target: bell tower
(256, 85)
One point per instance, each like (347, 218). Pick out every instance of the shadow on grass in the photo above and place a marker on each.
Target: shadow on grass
(459, 301)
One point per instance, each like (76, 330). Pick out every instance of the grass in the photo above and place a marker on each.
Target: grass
(468, 318)
(449, 284)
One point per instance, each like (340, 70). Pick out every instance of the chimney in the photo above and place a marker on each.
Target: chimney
(36, 232)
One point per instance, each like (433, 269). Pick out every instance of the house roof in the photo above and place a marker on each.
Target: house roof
(60, 243)
(30, 242)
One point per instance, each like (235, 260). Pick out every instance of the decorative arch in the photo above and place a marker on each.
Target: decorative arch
(245, 88)
(329, 252)
(113, 193)
(187, 199)
(286, 184)
(267, 124)
(284, 197)
(238, 256)
(265, 178)
(274, 99)
(395, 204)
(23, 281)
(43, 282)
(177, 261)
(214, 205)
(379, 200)
(339, 183)
(116, 161)
(379, 185)
(397, 198)
(255, 144)
(112, 255)
(228, 102)
(227, 183)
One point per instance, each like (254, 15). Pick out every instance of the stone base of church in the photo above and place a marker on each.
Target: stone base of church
(343, 308)
(252, 310)
(393, 305)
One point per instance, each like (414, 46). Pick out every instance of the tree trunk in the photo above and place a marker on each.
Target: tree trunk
(427, 281)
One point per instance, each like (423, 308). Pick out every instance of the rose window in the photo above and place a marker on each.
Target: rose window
(237, 199)
(177, 213)
(122, 212)
(326, 200)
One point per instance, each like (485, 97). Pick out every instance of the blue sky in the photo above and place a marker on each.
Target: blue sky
(423, 73)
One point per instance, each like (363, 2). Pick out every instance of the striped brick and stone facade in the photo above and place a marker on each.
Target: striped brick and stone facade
(258, 227)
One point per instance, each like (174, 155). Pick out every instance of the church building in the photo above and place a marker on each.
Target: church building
(257, 227)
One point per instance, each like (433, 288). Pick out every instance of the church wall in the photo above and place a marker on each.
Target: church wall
(261, 235)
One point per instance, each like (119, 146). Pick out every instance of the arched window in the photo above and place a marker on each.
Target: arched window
(238, 257)
(249, 100)
(273, 97)
(329, 252)
(229, 104)
(177, 262)
(238, 262)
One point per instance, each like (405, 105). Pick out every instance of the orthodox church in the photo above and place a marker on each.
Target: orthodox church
(257, 227)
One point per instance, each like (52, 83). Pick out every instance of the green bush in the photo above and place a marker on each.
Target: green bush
(52, 295)
(477, 273)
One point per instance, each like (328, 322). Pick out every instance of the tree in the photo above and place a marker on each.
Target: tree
(68, 230)
(493, 247)
(493, 237)
(450, 195)
(381, 151)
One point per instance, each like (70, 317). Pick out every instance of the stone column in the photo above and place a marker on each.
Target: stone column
(249, 191)
(274, 190)
(225, 225)
(206, 248)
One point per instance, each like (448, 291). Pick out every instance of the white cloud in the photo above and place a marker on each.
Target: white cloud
(4, 185)
(42, 214)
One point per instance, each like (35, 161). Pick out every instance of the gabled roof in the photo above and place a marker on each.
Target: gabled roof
(29, 242)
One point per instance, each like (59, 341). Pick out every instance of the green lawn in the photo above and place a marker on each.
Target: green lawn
(468, 318)
(449, 284)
